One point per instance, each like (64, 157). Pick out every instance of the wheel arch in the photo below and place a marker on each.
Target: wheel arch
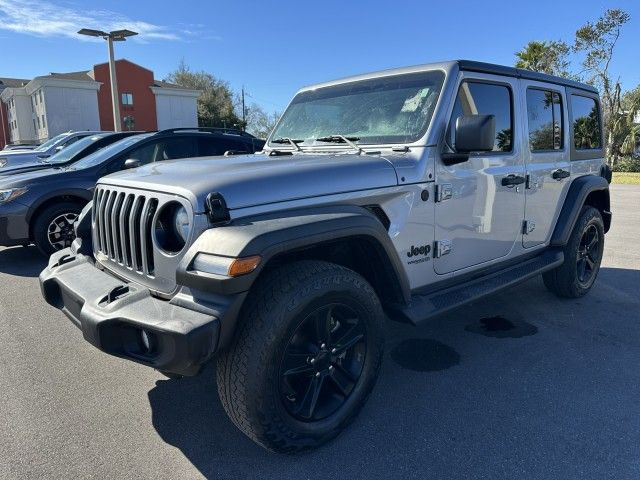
(586, 190)
(348, 235)
(79, 196)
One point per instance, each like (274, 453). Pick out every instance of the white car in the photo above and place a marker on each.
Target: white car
(18, 157)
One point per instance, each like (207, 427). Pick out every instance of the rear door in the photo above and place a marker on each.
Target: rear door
(478, 217)
(547, 154)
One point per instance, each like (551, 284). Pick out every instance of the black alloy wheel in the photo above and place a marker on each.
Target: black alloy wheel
(322, 362)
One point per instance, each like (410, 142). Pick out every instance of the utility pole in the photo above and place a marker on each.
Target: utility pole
(110, 37)
(244, 120)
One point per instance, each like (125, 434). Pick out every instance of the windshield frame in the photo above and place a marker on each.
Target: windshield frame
(424, 138)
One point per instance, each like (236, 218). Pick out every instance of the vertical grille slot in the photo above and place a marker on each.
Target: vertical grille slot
(124, 231)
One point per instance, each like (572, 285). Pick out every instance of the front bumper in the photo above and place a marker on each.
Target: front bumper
(113, 315)
(14, 229)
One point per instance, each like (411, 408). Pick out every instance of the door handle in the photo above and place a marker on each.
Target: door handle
(511, 180)
(559, 174)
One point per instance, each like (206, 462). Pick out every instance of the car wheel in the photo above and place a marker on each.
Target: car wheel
(582, 257)
(305, 356)
(53, 228)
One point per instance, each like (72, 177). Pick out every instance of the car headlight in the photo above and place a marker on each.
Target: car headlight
(181, 223)
(172, 227)
(10, 194)
(3, 162)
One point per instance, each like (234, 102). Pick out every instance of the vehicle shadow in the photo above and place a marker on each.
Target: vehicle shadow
(22, 261)
(431, 415)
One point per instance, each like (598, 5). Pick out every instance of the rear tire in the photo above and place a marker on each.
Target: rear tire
(53, 227)
(289, 380)
(582, 257)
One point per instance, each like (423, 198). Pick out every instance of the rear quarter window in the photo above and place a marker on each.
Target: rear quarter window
(587, 131)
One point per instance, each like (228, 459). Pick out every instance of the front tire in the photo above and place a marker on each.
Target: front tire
(53, 227)
(305, 356)
(582, 257)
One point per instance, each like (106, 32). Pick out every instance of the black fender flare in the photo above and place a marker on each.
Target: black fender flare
(579, 191)
(273, 234)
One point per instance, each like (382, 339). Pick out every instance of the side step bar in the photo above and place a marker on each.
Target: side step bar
(425, 307)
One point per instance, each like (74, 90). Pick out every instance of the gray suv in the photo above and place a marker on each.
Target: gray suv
(404, 193)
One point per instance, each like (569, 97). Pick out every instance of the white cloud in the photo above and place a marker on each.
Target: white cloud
(43, 18)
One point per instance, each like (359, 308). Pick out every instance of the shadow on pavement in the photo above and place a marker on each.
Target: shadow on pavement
(22, 261)
(448, 399)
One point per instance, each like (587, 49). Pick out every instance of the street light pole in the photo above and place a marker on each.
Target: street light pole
(110, 37)
(117, 125)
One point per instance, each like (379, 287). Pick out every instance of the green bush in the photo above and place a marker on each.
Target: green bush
(629, 164)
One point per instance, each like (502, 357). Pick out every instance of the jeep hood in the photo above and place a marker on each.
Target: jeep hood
(251, 180)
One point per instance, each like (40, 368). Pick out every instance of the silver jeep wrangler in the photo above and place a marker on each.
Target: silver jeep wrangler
(405, 193)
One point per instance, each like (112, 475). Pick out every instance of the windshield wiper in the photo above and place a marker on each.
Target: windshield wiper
(342, 139)
(291, 141)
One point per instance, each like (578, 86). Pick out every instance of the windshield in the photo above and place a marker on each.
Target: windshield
(394, 109)
(50, 143)
(72, 150)
(104, 154)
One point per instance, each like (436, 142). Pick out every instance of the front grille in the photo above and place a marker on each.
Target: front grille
(123, 224)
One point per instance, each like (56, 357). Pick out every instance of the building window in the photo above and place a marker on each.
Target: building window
(127, 98)
(34, 124)
(38, 118)
(44, 125)
(40, 94)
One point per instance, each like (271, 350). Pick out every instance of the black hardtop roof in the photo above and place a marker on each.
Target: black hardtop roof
(482, 67)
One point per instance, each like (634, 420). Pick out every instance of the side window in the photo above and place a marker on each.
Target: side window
(144, 154)
(66, 143)
(478, 98)
(217, 146)
(544, 111)
(587, 131)
(172, 148)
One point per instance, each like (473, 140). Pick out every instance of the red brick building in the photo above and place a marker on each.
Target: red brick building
(33, 111)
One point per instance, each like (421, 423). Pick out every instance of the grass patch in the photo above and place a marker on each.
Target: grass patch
(626, 178)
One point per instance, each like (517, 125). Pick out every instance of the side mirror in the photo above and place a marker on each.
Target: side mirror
(59, 147)
(131, 163)
(475, 133)
(44, 155)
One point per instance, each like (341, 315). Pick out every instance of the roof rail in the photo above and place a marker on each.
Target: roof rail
(233, 131)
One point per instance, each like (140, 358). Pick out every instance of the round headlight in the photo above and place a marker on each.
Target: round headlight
(172, 227)
(181, 223)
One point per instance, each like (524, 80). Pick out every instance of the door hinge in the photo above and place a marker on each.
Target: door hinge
(528, 226)
(441, 248)
(444, 192)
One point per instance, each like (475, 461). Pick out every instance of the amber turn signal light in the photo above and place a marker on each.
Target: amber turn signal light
(242, 266)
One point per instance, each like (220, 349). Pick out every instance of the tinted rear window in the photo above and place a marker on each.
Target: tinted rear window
(587, 131)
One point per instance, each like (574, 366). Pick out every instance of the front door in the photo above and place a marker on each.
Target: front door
(547, 151)
(480, 210)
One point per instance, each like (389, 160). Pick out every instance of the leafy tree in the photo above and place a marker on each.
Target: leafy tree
(545, 57)
(597, 41)
(259, 122)
(215, 104)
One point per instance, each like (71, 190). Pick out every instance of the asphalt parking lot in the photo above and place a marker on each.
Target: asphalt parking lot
(551, 390)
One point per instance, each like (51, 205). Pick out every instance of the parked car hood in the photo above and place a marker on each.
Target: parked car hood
(250, 180)
(13, 158)
(27, 166)
(22, 179)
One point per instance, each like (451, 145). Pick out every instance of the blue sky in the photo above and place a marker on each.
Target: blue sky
(273, 48)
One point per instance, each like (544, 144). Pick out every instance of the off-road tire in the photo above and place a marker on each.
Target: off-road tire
(564, 280)
(44, 219)
(248, 371)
